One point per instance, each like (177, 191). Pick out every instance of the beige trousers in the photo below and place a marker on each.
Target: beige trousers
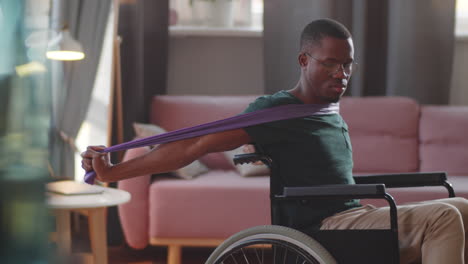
(430, 232)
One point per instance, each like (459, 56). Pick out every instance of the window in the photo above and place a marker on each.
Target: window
(217, 13)
(461, 22)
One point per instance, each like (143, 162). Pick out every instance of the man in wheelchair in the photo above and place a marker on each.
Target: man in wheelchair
(314, 150)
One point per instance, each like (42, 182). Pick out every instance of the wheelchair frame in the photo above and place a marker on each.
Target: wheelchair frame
(381, 246)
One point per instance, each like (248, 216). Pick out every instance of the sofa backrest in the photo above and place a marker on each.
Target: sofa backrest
(179, 111)
(444, 139)
(384, 133)
(384, 130)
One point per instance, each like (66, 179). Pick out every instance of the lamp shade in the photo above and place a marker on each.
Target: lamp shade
(64, 47)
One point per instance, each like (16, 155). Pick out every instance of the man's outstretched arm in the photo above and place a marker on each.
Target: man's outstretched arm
(164, 158)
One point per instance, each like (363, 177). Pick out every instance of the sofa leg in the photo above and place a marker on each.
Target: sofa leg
(174, 254)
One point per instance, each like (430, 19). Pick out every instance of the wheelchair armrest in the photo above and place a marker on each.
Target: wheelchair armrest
(343, 191)
(404, 179)
(251, 158)
(414, 179)
(336, 191)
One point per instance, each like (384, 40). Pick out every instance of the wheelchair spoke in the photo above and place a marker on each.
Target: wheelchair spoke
(258, 257)
(263, 255)
(274, 254)
(245, 256)
(235, 261)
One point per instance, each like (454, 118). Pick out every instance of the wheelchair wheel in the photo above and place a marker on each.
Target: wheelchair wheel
(270, 245)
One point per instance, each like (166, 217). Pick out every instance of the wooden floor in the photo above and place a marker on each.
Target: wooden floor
(155, 255)
(122, 254)
(151, 255)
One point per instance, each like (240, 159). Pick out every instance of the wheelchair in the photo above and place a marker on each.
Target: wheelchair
(278, 243)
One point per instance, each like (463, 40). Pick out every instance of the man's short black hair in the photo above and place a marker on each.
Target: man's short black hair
(318, 29)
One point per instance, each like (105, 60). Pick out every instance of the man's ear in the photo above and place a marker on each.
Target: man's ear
(302, 59)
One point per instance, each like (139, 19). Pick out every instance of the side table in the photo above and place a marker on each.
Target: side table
(92, 204)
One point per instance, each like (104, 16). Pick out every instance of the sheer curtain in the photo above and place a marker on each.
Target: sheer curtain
(403, 47)
(72, 82)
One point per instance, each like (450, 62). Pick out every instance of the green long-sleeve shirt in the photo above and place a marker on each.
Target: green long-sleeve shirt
(313, 150)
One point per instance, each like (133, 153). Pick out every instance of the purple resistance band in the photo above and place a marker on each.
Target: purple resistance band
(244, 120)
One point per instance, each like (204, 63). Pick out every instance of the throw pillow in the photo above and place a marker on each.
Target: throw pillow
(188, 172)
(147, 130)
(248, 169)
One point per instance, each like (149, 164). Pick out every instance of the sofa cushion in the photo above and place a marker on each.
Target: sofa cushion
(166, 111)
(444, 141)
(384, 133)
(180, 209)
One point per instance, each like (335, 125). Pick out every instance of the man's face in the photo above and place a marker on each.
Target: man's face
(326, 69)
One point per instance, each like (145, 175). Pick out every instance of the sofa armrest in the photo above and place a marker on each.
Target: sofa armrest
(134, 215)
(415, 179)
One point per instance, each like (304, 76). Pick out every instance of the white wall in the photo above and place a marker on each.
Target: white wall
(215, 65)
(233, 65)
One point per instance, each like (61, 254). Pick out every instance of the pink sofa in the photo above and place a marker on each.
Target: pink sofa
(389, 134)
